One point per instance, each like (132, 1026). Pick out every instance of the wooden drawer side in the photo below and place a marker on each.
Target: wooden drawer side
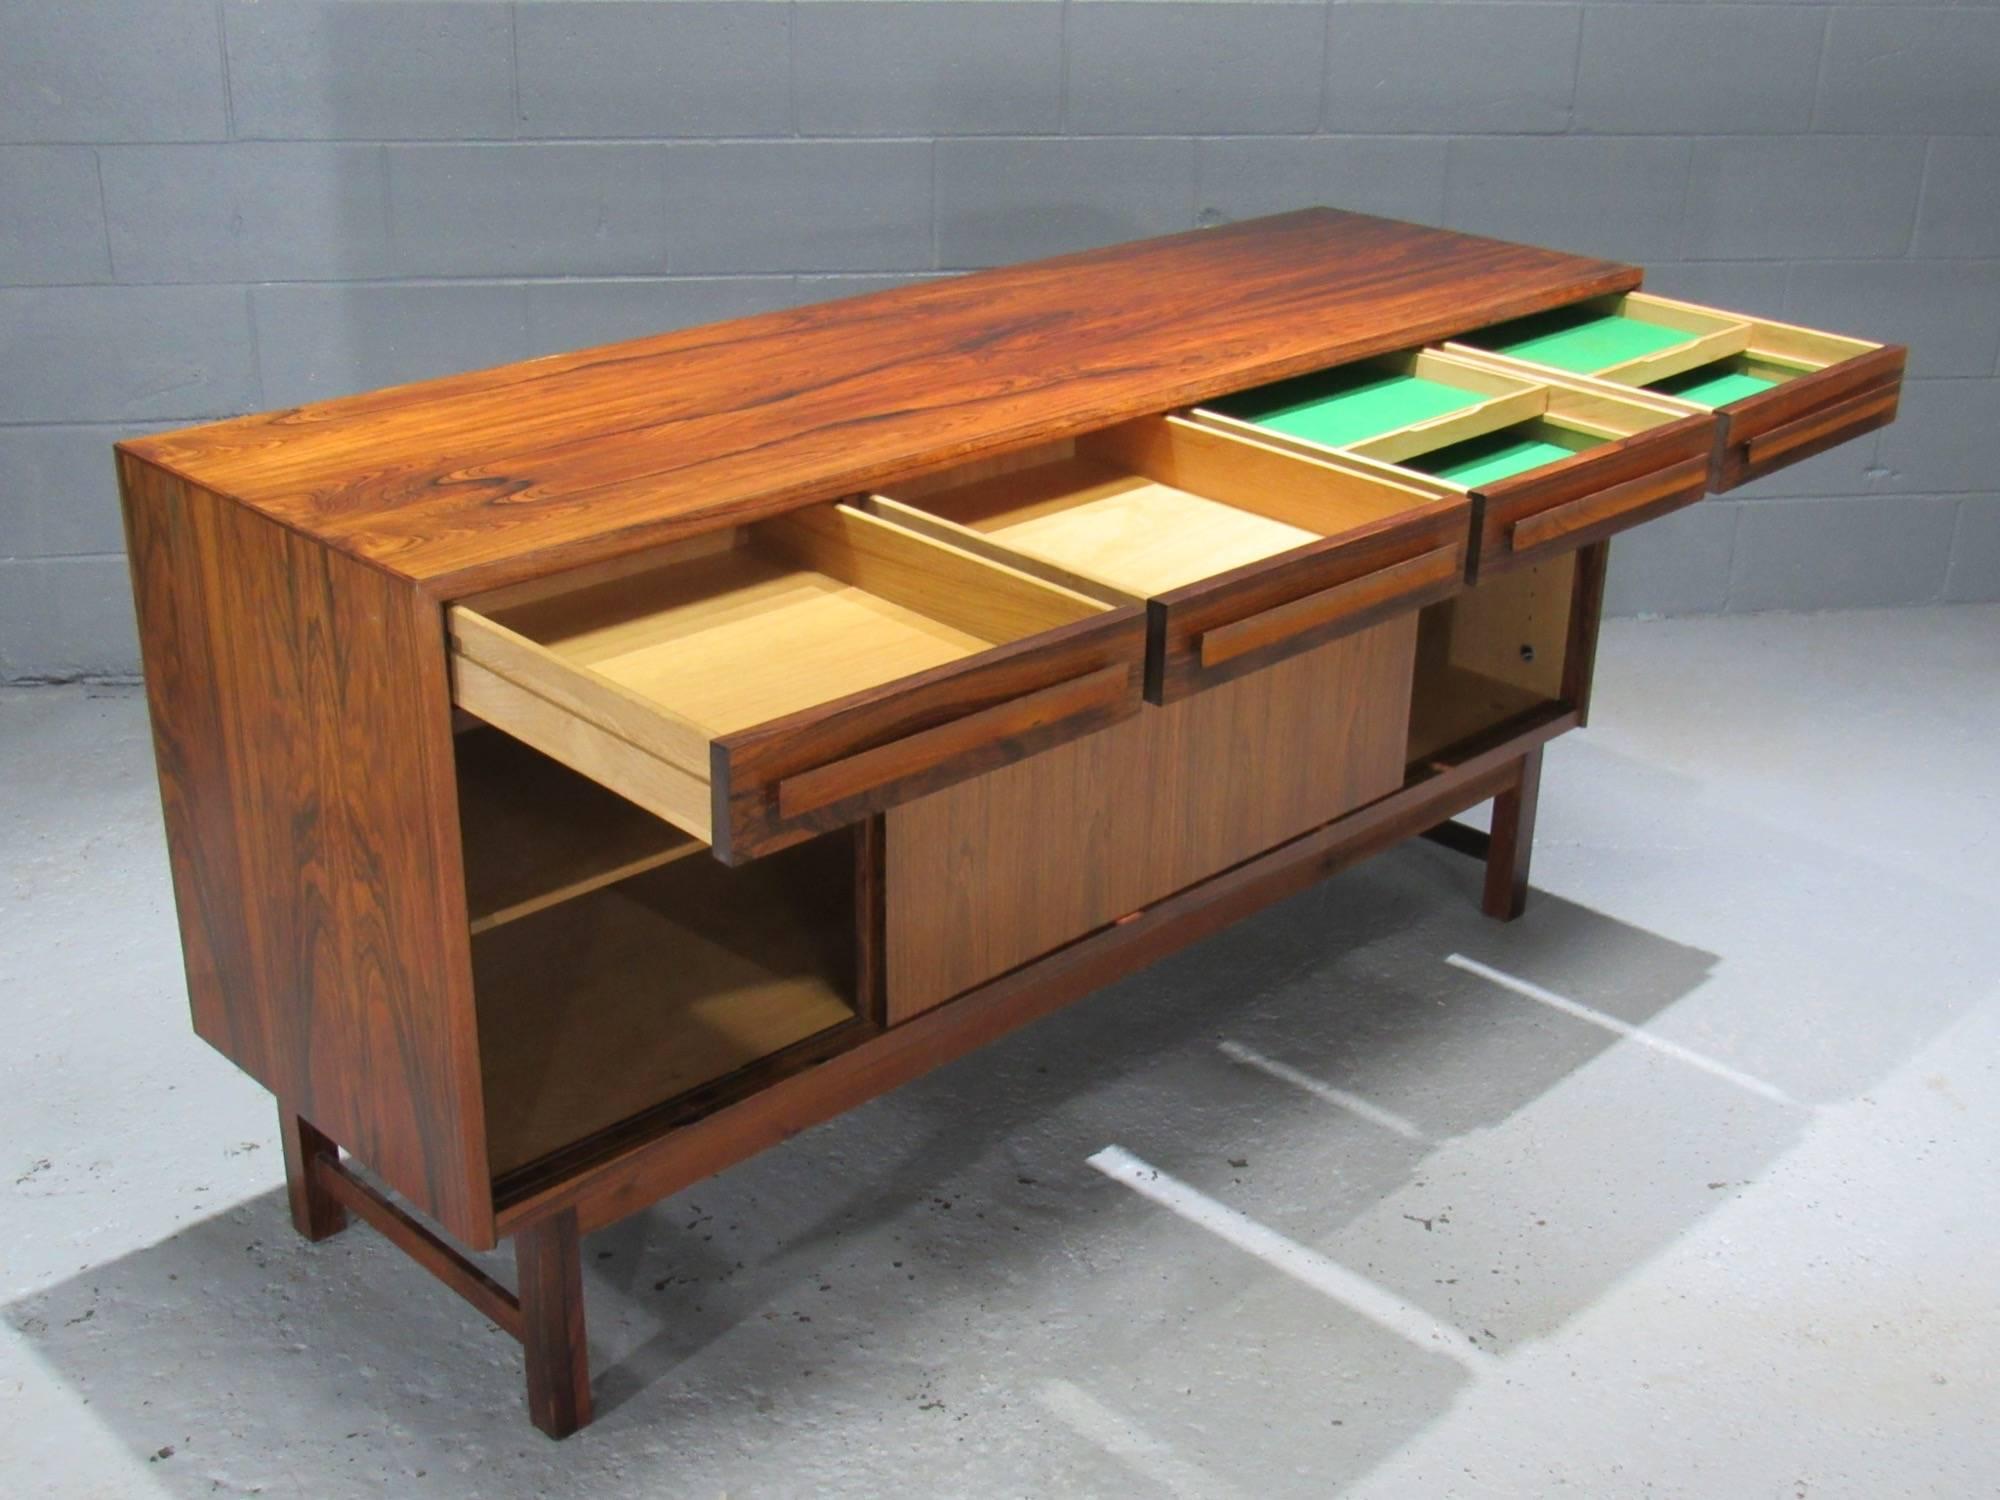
(302, 723)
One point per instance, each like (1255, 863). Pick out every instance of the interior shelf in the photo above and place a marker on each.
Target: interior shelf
(1455, 704)
(642, 993)
(536, 833)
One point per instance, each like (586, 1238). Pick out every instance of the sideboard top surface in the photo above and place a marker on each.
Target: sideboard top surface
(514, 472)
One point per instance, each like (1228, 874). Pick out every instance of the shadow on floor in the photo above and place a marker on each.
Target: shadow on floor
(951, 1239)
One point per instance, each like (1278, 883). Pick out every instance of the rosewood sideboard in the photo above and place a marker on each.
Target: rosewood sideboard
(583, 774)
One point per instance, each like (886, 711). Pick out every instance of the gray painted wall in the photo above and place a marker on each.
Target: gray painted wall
(209, 208)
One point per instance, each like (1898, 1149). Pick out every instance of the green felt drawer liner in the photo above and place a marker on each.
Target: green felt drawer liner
(1712, 385)
(1588, 345)
(1495, 456)
(1337, 409)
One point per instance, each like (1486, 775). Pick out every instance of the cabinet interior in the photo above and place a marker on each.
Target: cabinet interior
(621, 985)
(535, 833)
(1490, 656)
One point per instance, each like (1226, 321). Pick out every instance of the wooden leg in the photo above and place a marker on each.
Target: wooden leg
(316, 1214)
(1512, 842)
(551, 1280)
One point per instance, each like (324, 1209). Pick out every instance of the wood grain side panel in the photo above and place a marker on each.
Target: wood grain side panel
(499, 475)
(992, 873)
(165, 532)
(303, 714)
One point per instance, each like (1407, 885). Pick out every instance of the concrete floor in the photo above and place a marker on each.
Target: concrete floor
(1681, 1186)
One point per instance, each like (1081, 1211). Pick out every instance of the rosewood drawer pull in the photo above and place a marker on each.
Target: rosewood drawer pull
(1388, 585)
(1857, 408)
(866, 770)
(1559, 521)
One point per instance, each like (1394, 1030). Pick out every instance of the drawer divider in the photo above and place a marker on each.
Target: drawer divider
(1704, 350)
(1441, 432)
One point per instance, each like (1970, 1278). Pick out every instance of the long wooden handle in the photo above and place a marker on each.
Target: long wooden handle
(1858, 408)
(869, 770)
(1559, 521)
(1297, 616)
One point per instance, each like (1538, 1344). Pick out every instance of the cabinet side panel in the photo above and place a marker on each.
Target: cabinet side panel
(301, 717)
(163, 545)
(998, 870)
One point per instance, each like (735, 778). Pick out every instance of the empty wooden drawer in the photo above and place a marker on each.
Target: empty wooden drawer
(760, 685)
(1243, 553)
(1783, 393)
(1550, 462)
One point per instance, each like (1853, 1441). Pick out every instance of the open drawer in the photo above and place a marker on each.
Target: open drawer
(1242, 553)
(759, 685)
(1783, 393)
(1550, 462)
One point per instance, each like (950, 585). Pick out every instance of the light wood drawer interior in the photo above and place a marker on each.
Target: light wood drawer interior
(1149, 507)
(1244, 550)
(785, 651)
(1696, 354)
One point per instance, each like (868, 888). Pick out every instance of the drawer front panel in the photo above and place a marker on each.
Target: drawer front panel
(1808, 415)
(1006, 867)
(1595, 495)
(790, 779)
(1242, 621)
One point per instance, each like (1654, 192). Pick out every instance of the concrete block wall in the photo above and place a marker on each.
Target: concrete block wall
(214, 206)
